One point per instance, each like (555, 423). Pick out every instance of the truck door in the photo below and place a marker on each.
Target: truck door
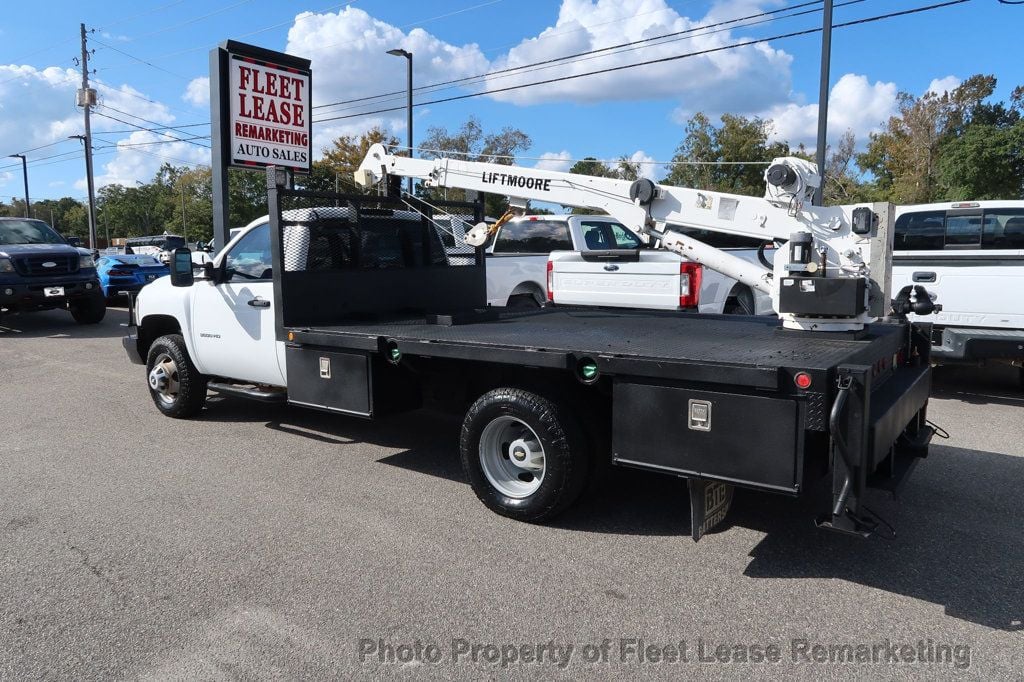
(233, 320)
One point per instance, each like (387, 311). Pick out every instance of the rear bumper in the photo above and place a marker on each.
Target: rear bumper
(960, 344)
(23, 297)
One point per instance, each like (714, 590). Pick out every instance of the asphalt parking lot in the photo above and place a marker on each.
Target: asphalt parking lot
(260, 541)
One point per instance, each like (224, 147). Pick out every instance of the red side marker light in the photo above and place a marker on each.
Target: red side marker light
(802, 380)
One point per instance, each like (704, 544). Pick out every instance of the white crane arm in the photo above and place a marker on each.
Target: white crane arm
(840, 242)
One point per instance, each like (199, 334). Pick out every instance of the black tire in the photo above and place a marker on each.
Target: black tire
(740, 302)
(523, 302)
(189, 396)
(89, 310)
(566, 461)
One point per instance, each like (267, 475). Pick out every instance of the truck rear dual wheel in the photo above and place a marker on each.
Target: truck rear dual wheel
(178, 389)
(524, 455)
(88, 310)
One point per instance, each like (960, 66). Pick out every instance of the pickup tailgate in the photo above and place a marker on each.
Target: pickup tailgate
(621, 278)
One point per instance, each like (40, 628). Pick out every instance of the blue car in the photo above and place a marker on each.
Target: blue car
(121, 273)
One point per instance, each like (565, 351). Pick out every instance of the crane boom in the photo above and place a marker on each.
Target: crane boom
(834, 276)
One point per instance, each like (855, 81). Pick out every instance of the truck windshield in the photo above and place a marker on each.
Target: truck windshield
(28, 232)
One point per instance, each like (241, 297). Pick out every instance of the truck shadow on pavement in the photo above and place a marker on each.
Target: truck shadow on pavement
(59, 324)
(959, 542)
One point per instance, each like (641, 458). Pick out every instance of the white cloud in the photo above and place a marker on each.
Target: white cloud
(743, 79)
(940, 86)
(197, 93)
(348, 49)
(554, 161)
(141, 162)
(854, 104)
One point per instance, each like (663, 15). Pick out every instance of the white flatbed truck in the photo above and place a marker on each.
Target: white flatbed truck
(357, 310)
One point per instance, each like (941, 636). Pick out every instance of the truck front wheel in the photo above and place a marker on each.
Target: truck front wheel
(177, 387)
(524, 455)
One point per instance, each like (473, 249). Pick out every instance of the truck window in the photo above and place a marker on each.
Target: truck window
(920, 231)
(1003, 228)
(28, 232)
(249, 258)
(533, 236)
(601, 235)
(623, 238)
(963, 231)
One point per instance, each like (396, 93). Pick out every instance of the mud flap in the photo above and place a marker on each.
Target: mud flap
(709, 504)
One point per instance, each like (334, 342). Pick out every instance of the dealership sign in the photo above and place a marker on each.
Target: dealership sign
(265, 107)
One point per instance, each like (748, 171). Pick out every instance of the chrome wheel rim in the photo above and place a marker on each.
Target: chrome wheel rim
(512, 457)
(163, 379)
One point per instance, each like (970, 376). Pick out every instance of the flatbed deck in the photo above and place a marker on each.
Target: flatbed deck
(746, 350)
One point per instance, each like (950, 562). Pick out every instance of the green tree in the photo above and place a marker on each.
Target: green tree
(471, 142)
(905, 158)
(726, 158)
(334, 171)
(842, 180)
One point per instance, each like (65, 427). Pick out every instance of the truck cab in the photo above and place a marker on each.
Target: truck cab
(40, 270)
(226, 320)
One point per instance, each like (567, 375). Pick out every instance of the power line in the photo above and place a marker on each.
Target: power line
(44, 146)
(661, 60)
(143, 128)
(293, 20)
(142, 14)
(139, 59)
(579, 54)
(159, 156)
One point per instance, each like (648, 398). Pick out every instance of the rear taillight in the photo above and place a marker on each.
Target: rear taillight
(689, 284)
(551, 281)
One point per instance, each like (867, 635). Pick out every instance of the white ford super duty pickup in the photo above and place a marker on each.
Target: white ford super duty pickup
(970, 254)
(517, 268)
(655, 279)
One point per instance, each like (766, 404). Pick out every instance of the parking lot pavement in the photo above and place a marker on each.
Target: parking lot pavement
(262, 541)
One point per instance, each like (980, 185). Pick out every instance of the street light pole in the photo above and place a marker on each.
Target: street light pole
(408, 55)
(184, 227)
(24, 172)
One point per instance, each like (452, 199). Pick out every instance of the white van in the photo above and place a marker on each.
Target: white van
(971, 255)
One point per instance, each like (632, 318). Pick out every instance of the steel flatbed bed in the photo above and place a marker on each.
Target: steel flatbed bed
(747, 351)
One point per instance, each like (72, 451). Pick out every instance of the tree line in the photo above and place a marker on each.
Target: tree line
(953, 146)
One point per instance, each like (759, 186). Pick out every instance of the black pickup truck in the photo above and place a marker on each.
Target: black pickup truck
(40, 270)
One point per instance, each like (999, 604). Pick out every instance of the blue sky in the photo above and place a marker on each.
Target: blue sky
(149, 56)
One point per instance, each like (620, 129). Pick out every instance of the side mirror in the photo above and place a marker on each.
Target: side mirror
(74, 241)
(181, 268)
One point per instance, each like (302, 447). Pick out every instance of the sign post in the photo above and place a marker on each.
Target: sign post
(261, 114)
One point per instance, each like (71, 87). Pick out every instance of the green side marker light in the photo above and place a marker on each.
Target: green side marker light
(589, 371)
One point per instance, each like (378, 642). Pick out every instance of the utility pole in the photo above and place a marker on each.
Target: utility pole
(24, 172)
(86, 100)
(826, 65)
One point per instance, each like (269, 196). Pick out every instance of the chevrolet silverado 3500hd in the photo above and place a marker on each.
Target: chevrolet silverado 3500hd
(360, 311)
